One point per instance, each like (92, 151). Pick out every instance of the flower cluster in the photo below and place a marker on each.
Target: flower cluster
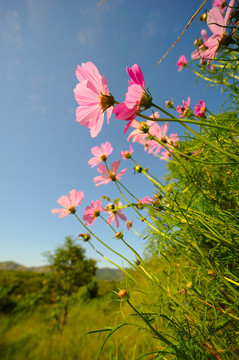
(218, 25)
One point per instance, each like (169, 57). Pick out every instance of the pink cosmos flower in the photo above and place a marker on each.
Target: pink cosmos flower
(140, 133)
(136, 75)
(171, 140)
(115, 212)
(200, 109)
(100, 153)
(135, 98)
(127, 154)
(92, 212)
(183, 110)
(217, 24)
(160, 133)
(107, 175)
(69, 203)
(145, 200)
(165, 154)
(182, 61)
(93, 96)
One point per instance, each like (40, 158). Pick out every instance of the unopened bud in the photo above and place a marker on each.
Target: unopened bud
(203, 17)
(122, 293)
(119, 235)
(197, 42)
(129, 224)
(138, 169)
(85, 237)
(169, 104)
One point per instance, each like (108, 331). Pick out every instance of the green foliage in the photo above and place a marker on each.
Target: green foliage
(70, 267)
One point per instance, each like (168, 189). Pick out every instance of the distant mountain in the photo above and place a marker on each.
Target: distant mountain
(11, 265)
(101, 274)
(109, 274)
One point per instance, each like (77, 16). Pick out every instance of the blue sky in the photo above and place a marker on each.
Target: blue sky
(44, 151)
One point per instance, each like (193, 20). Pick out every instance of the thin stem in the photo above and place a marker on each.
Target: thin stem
(119, 267)
(108, 247)
(185, 120)
(156, 333)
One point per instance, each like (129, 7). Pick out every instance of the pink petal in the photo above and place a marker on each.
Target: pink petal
(102, 169)
(98, 126)
(88, 116)
(122, 172)
(122, 216)
(64, 201)
(79, 197)
(133, 95)
(109, 113)
(88, 71)
(136, 75)
(116, 221)
(96, 151)
(127, 126)
(57, 211)
(215, 21)
(123, 112)
(114, 166)
(229, 10)
(64, 213)
(110, 219)
(85, 96)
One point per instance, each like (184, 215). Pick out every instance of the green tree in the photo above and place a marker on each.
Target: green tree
(70, 267)
(71, 270)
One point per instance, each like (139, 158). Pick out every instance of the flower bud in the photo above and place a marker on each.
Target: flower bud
(129, 224)
(203, 17)
(197, 43)
(119, 235)
(122, 293)
(85, 237)
(169, 104)
(138, 169)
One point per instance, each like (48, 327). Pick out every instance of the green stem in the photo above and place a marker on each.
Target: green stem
(185, 120)
(156, 333)
(108, 247)
(207, 78)
(119, 267)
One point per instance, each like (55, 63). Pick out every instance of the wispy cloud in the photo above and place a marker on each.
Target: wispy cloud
(91, 31)
(150, 27)
(10, 31)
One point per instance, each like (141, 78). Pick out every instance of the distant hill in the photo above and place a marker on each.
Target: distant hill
(109, 274)
(101, 274)
(11, 265)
